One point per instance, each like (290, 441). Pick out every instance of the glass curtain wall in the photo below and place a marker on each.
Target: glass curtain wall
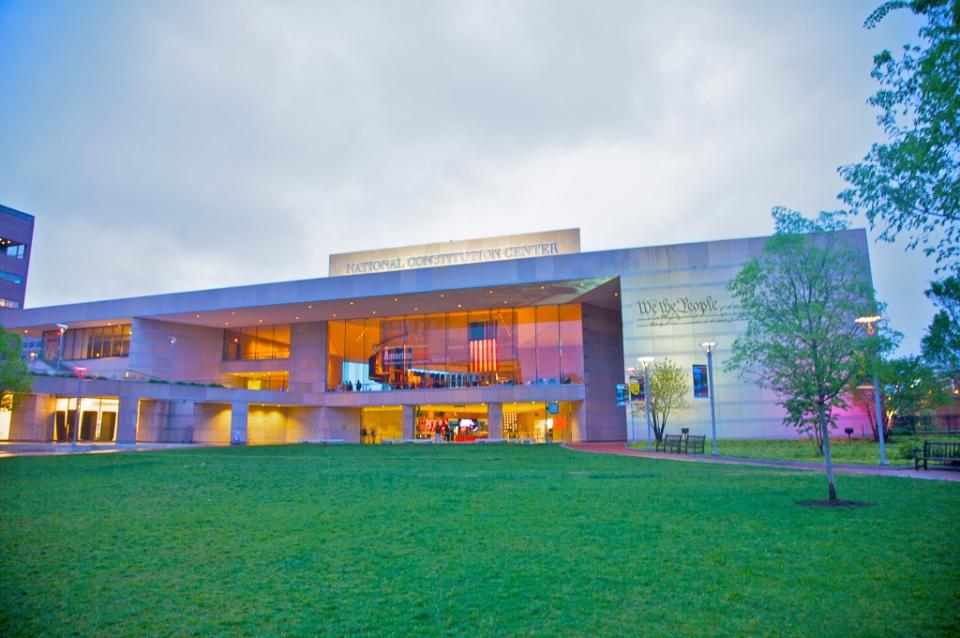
(88, 343)
(256, 342)
(504, 346)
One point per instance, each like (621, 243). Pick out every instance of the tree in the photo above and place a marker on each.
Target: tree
(668, 392)
(911, 184)
(941, 344)
(799, 299)
(908, 387)
(14, 376)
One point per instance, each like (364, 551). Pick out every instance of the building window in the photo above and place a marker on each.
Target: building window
(9, 303)
(500, 346)
(9, 276)
(276, 381)
(256, 342)
(99, 342)
(11, 248)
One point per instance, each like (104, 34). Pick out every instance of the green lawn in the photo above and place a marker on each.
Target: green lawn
(471, 540)
(859, 451)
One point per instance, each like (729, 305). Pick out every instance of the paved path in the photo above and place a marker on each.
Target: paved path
(621, 449)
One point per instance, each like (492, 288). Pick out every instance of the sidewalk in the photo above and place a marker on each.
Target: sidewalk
(620, 448)
(52, 449)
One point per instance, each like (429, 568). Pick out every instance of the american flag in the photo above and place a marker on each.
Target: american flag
(483, 346)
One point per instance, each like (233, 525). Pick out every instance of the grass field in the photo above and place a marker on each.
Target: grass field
(858, 451)
(451, 540)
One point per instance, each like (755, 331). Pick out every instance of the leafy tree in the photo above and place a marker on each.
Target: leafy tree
(941, 344)
(911, 183)
(14, 376)
(799, 299)
(668, 392)
(908, 387)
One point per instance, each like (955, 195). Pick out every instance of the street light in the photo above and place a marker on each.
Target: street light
(709, 347)
(173, 340)
(646, 362)
(61, 328)
(869, 324)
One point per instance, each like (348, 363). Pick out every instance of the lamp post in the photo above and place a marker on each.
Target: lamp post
(61, 328)
(708, 347)
(646, 362)
(869, 324)
(81, 372)
(173, 340)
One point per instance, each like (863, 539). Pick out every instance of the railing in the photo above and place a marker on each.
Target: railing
(923, 424)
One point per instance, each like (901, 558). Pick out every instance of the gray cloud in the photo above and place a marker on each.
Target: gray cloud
(183, 145)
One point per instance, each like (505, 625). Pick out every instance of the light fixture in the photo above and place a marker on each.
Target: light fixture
(259, 320)
(351, 303)
(395, 299)
(708, 346)
(459, 305)
(198, 316)
(442, 295)
(309, 307)
(334, 314)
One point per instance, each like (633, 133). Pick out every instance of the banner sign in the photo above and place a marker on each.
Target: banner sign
(701, 389)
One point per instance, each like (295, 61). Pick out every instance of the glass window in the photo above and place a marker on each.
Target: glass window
(529, 345)
(526, 346)
(256, 342)
(571, 344)
(88, 343)
(548, 345)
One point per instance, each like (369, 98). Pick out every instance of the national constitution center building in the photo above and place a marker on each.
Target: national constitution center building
(520, 337)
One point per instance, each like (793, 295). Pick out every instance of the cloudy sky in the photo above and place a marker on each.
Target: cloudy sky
(166, 146)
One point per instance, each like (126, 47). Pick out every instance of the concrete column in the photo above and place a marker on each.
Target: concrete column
(127, 414)
(408, 416)
(495, 421)
(238, 423)
(32, 418)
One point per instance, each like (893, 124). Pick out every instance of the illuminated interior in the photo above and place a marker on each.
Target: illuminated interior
(276, 381)
(501, 346)
(462, 423)
(256, 342)
(6, 411)
(98, 419)
(540, 422)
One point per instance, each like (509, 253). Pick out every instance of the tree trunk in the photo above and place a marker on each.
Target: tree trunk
(825, 434)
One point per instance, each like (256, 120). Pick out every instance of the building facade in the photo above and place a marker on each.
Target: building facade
(16, 237)
(521, 337)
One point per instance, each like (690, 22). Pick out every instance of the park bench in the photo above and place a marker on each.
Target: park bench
(671, 443)
(936, 451)
(695, 444)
